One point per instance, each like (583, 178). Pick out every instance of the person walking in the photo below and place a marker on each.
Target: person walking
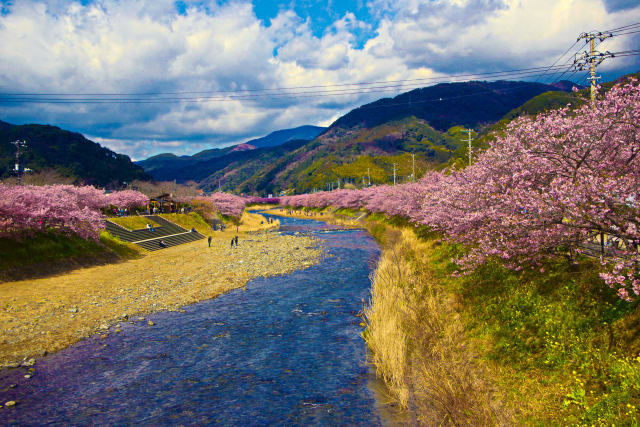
(236, 239)
(209, 240)
(233, 240)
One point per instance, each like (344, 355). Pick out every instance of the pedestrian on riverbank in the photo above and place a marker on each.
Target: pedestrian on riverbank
(162, 244)
(233, 240)
(236, 239)
(209, 241)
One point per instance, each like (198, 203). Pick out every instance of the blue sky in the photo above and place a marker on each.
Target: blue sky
(172, 70)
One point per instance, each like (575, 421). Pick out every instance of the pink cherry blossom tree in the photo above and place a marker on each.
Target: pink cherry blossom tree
(126, 199)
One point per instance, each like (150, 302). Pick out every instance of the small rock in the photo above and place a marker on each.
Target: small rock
(29, 362)
(141, 318)
(27, 376)
(151, 323)
(10, 403)
(13, 385)
(104, 326)
(118, 330)
(73, 310)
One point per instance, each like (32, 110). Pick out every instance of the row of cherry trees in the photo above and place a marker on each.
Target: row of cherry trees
(78, 210)
(66, 208)
(546, 185)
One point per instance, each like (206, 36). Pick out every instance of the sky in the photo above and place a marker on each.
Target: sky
(154, 76)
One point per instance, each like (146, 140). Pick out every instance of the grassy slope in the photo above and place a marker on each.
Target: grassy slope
(46, 253)
(134, 222)
(187, 221)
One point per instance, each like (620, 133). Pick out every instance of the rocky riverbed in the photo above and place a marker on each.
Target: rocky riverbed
(44, 315)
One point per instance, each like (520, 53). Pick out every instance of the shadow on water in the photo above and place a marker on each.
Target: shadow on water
(284, 350)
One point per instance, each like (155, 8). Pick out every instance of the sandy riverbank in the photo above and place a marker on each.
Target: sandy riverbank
(46, 315)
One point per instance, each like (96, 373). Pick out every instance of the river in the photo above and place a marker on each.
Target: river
(284, 350)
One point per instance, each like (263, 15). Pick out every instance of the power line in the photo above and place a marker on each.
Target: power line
(624, 27)
(247, 92)
(560, 57)
(376, 89)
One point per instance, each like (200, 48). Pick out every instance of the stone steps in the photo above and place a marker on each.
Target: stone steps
(171, 233)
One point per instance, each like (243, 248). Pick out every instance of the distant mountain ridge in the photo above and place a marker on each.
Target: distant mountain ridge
(471, 104)
(68, 153)
(160, 165)
(279, 137)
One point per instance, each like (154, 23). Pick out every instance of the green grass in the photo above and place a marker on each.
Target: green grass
(124, 250)
(188, 221)
(561, 332)
(134, 222)
(53, 247)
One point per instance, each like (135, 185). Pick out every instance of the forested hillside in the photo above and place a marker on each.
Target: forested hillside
(68, 153)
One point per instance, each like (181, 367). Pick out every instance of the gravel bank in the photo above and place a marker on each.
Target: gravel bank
(45, 315)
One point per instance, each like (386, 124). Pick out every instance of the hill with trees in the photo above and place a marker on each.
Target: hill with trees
(163, 166)
(69, 154)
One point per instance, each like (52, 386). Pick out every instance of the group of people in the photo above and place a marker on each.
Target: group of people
(121, 212)
(234, 241)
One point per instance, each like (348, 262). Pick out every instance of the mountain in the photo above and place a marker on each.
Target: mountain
(470, 104)
(231, 169)
(414, 131)
(159, 164)
(68, 153)
(374, 139)
(281, 136)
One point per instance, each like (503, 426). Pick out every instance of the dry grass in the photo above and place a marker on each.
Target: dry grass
(254, 221)
(418, 343)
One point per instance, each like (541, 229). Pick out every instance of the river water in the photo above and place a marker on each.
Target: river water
(284, 350)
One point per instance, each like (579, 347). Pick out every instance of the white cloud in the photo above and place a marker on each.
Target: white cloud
(127, 46)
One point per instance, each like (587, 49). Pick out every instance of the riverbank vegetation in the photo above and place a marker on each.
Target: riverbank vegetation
(499, 346)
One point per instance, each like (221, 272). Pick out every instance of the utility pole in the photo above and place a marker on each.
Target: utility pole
(413, 167)
(18, 166)
(468, 140)
(394, 174)
(363, 181)
(592, 58)
(369, 177)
